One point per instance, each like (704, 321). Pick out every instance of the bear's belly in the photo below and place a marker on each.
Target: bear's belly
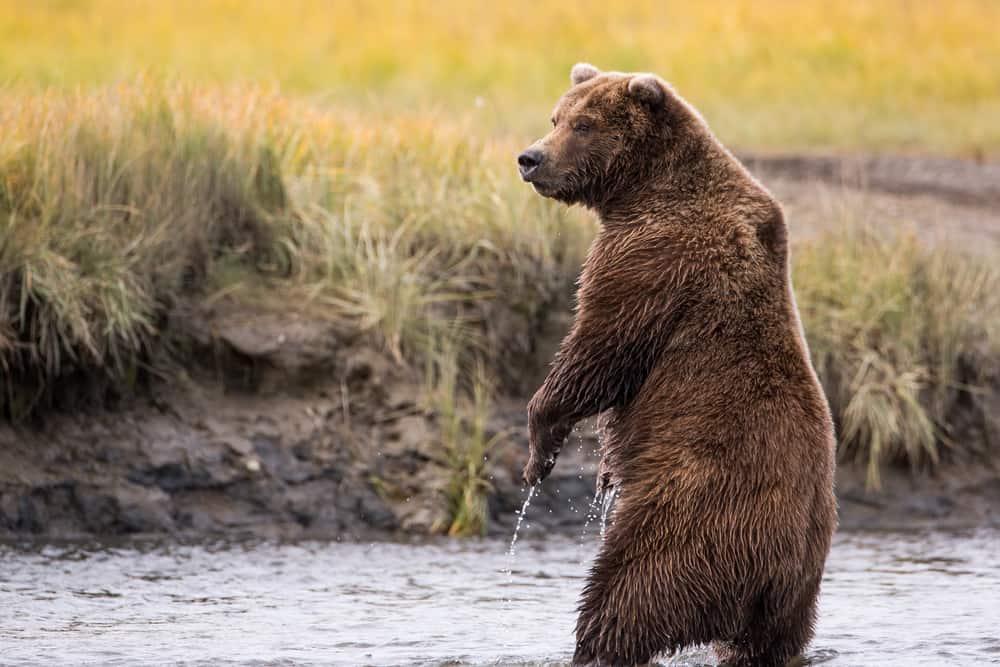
(728, 470)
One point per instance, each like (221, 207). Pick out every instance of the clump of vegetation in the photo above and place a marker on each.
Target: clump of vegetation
(462, 417)
(902, 333)
(109, 212)
(117, 205)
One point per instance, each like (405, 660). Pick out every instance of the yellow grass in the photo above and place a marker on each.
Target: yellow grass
(899, 74)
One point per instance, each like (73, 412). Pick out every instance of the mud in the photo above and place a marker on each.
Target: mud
(287, 425)
(945, 200)
(258, 440)
(958, 182)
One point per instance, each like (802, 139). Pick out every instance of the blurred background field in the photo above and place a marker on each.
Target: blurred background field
(898, 74)
(354, 161)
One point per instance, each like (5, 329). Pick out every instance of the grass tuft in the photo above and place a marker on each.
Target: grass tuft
(901, 333)
(462, 417)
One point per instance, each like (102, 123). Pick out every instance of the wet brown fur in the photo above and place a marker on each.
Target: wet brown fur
(687, 338)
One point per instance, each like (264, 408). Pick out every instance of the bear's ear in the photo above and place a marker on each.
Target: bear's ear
(647, 88)
(582, 72)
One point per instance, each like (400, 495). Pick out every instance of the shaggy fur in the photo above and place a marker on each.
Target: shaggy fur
(719, 439)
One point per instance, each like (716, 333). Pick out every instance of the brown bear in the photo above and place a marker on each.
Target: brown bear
(718, 438)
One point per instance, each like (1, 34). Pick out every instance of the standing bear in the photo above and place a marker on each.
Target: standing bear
(718, 438)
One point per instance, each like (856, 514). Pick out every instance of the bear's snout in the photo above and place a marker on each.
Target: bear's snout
(529, 161)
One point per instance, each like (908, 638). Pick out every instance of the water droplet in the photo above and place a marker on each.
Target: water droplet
(591, 515)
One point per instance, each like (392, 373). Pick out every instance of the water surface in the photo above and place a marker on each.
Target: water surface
(890, 600)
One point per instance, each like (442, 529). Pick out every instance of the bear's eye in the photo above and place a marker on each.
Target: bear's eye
(581, 127)
(553, 119)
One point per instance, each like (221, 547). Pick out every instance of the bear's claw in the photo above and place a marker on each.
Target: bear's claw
(538, 468)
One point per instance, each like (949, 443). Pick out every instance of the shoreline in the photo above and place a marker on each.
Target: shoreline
(209, 461)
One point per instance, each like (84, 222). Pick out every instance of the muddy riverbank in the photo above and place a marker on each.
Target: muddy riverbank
(332, 441)
(283, 424)
(207, 462)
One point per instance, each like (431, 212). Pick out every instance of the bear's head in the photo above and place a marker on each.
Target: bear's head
(608, 130)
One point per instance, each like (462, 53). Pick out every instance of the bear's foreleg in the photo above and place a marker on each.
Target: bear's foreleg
(592, 373)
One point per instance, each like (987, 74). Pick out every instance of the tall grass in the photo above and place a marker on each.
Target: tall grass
(900, 74)
(901, 333)
(117, 205)
(109, 211)
(461, 400)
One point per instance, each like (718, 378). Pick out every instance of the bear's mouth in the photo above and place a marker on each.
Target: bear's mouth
(542, 188)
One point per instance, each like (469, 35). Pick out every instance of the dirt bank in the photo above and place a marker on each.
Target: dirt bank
(287, 425)
(348, 457)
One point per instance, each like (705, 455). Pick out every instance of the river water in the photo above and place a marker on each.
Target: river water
(906, 599)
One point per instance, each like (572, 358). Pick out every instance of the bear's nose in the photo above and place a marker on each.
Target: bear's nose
(528, 161)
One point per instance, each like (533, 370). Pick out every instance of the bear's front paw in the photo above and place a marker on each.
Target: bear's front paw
(538, 468)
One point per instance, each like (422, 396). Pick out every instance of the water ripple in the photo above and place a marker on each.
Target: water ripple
(910, 599)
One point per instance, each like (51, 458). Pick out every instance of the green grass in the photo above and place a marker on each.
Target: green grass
(895, 74)
(902, 334)
(109, 212)
(461, 401)
(115, 206)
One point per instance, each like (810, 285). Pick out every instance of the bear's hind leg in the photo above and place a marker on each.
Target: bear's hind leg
(618, 624)
(732, 654)
(775, 635)
(630, 612)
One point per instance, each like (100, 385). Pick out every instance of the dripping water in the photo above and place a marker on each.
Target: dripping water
(520, 518)
(512, 549)
(511, 555)
(592, 514)
(608, 501)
